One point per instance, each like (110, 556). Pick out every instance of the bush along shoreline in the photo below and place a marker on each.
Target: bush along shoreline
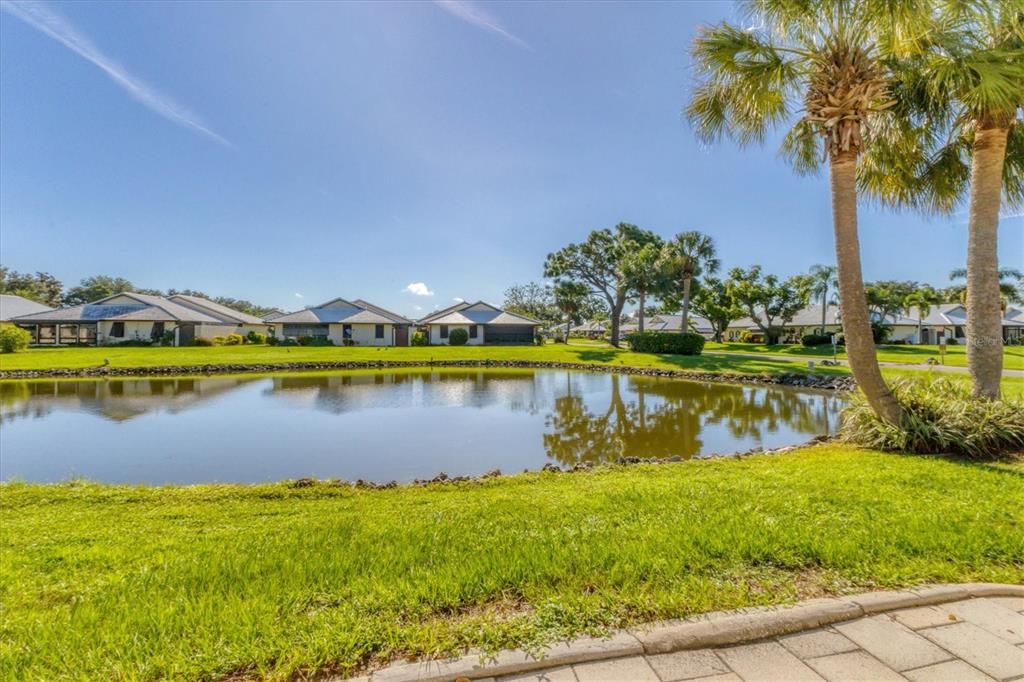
(818, 381)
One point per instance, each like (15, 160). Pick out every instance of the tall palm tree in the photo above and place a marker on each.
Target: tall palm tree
(569, 298)
(959, 99)
(824, 57)
(822, 281)
(689, 255)
(643, 270)
(920, 302)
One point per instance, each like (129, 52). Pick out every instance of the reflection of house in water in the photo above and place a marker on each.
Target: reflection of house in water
(114, 399)
(442, 388)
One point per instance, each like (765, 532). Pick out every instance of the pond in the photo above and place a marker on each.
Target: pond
(383, 425)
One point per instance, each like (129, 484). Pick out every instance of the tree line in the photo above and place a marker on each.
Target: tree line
(42, 287)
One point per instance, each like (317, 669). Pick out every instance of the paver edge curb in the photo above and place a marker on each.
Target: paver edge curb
(715, 629)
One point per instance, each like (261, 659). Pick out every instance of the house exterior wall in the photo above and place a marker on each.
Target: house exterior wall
(436, 340)
(209, 329)
(133, 331)
(362, 335)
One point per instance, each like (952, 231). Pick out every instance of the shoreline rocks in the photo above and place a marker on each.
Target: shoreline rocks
(796, 379)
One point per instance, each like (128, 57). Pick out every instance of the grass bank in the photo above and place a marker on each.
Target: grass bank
(956, 356)
(107, 582)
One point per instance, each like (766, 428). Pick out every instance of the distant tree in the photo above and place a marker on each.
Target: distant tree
(769, 302)
(688, 256)
(534, 300)
(823, 280)
(1010, 282)
(713, 301)
(918, 302)
(571, 300)
(97, 287)
(42, 287)
(597, 263)
(644, 267)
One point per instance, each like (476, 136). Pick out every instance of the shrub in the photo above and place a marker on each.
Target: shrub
(675, 344)
(132, 343)
(288, 342)
(202, 341)
(951, 342)
(255, 338)
(810, 340)
(273, 340)
(539, 338)
(219, 340)
(233, 340)
(458, 337)
(420, 339)
(747, 336)
(880, 332)
(939, 416)
(167, 338)
(13, 339)
(314, 341)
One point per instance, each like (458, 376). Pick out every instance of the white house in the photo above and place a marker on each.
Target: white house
(115, 319)
(483, 322)
(230, 321)
(345, 323)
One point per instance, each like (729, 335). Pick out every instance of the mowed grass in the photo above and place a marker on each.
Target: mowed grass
(956, 356)
(116, 582)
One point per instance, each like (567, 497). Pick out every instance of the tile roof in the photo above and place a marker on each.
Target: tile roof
(205, 305)
(13, 306)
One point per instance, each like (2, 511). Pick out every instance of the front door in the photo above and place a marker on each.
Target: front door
(401, 335)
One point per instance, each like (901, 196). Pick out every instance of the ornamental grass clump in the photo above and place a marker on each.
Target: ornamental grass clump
(939, 416)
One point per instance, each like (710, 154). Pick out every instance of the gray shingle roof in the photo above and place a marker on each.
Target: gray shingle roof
(145, 307)
(348, 312)
(13, 306)
(205, 305)
(476, 313)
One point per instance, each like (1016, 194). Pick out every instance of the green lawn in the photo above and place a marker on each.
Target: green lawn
(956, 356)
(117, 582)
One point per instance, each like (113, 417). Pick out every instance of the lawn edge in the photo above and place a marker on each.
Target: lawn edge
(714, 629)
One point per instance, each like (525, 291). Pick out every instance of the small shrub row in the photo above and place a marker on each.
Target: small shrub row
(811, 340)
(420, 339)
(314, 341)
(458, 337)
(939, 416)
(674, 344)
(255, 338)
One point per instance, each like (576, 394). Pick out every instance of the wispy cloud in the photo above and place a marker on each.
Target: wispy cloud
(419, 289)
(46, 21)
(459, 300)
(481, 18)
(299, 296)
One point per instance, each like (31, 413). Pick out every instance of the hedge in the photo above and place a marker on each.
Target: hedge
(674, 344)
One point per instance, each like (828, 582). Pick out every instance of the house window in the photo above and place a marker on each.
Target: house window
(444, 331)
(117, 330)
(346, 332)
(472, 331)
(378, 331)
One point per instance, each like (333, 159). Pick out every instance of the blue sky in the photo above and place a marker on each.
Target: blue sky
(289, 153)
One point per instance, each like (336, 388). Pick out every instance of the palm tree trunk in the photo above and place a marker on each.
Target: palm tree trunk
(620, 301)
(640, 322)
(984, 317)
(824, 305)
(684, 324)
(860, 344)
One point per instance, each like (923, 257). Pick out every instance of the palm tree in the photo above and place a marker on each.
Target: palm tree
(644, 273)
(922, 302)
(823, 280)
(569, 297)
(1008, 289)
(821, 56)
(959, 97)
(689, 255)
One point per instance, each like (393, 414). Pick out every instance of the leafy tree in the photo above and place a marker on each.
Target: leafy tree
(42, 287)
(644, 269)
(597, 263)
(94, 288)
(769, 302)
(826, 60)
(534, 300)
(689, 255)
(884, 300)
(1007, 287)
(713, 301)
(958, 133)
(822, 282)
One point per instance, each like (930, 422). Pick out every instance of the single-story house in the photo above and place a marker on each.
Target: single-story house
(115, 319)
(484, 323)
(593, 329)
(345, 323)
(663, 322)
(16, 306)
(231, 321)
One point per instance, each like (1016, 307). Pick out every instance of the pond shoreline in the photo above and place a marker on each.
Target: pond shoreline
(818, 381)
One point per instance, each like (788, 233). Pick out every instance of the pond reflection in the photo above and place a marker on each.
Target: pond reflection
(387, 425)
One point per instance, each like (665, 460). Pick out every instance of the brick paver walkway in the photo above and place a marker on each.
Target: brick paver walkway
(974, 639)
